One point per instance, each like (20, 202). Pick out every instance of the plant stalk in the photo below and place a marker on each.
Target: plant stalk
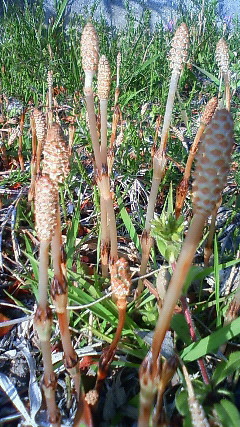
(60, 297)
(105, 239)
(189, 320)
(103, 113)
(93, 127)
(183, 186)
(159, 163)
(43, 274)
(108, 355)
(177, 281)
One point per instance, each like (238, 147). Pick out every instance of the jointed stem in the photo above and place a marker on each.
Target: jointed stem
(168, 110)
(56, 245)
(105, 238)
(159, 160)
(193, 151)
(227, 91)
(93, 127)
(188, 317)
(103, 112)
(112, 229)
(159, 163)
(175, 286)
(43, 322)
(104, 187)
(49, 384)
(149, 375)
(43, 274)
(102, 178)
(59, 295)
(108, 355)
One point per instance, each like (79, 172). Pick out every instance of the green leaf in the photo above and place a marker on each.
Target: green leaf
(128, 222)
(130, 96)
(193, 274)
(167, 231)
(181, 401)
(199, 273)
(180, 326)
(209, 75)
(162, 246)
(212, 342)
(29, 254)
(226, 368)
(142, 67)
(228, 413)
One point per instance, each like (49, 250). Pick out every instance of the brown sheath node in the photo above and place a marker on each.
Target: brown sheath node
(58, 287)
(59, 294)
(71, 363)
(43, 314)
(161, 419)
(121, 303)
(43, 322)
(146, 239)
(181, 195)
(97, 175)
(49, 382)
(105, 361)
(233, 311)
(105, 247)
(56, 419)
(169, 368)
(145, 235)
(104, 171)
(149, 376)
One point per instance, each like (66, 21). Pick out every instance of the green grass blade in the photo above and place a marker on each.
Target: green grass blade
(228, 413)
(209, 75)
(29, 254)
(128, 222)
(60, 13)
(226, 368)
(212, 342)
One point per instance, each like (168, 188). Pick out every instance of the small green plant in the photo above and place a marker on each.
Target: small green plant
(168, 234)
